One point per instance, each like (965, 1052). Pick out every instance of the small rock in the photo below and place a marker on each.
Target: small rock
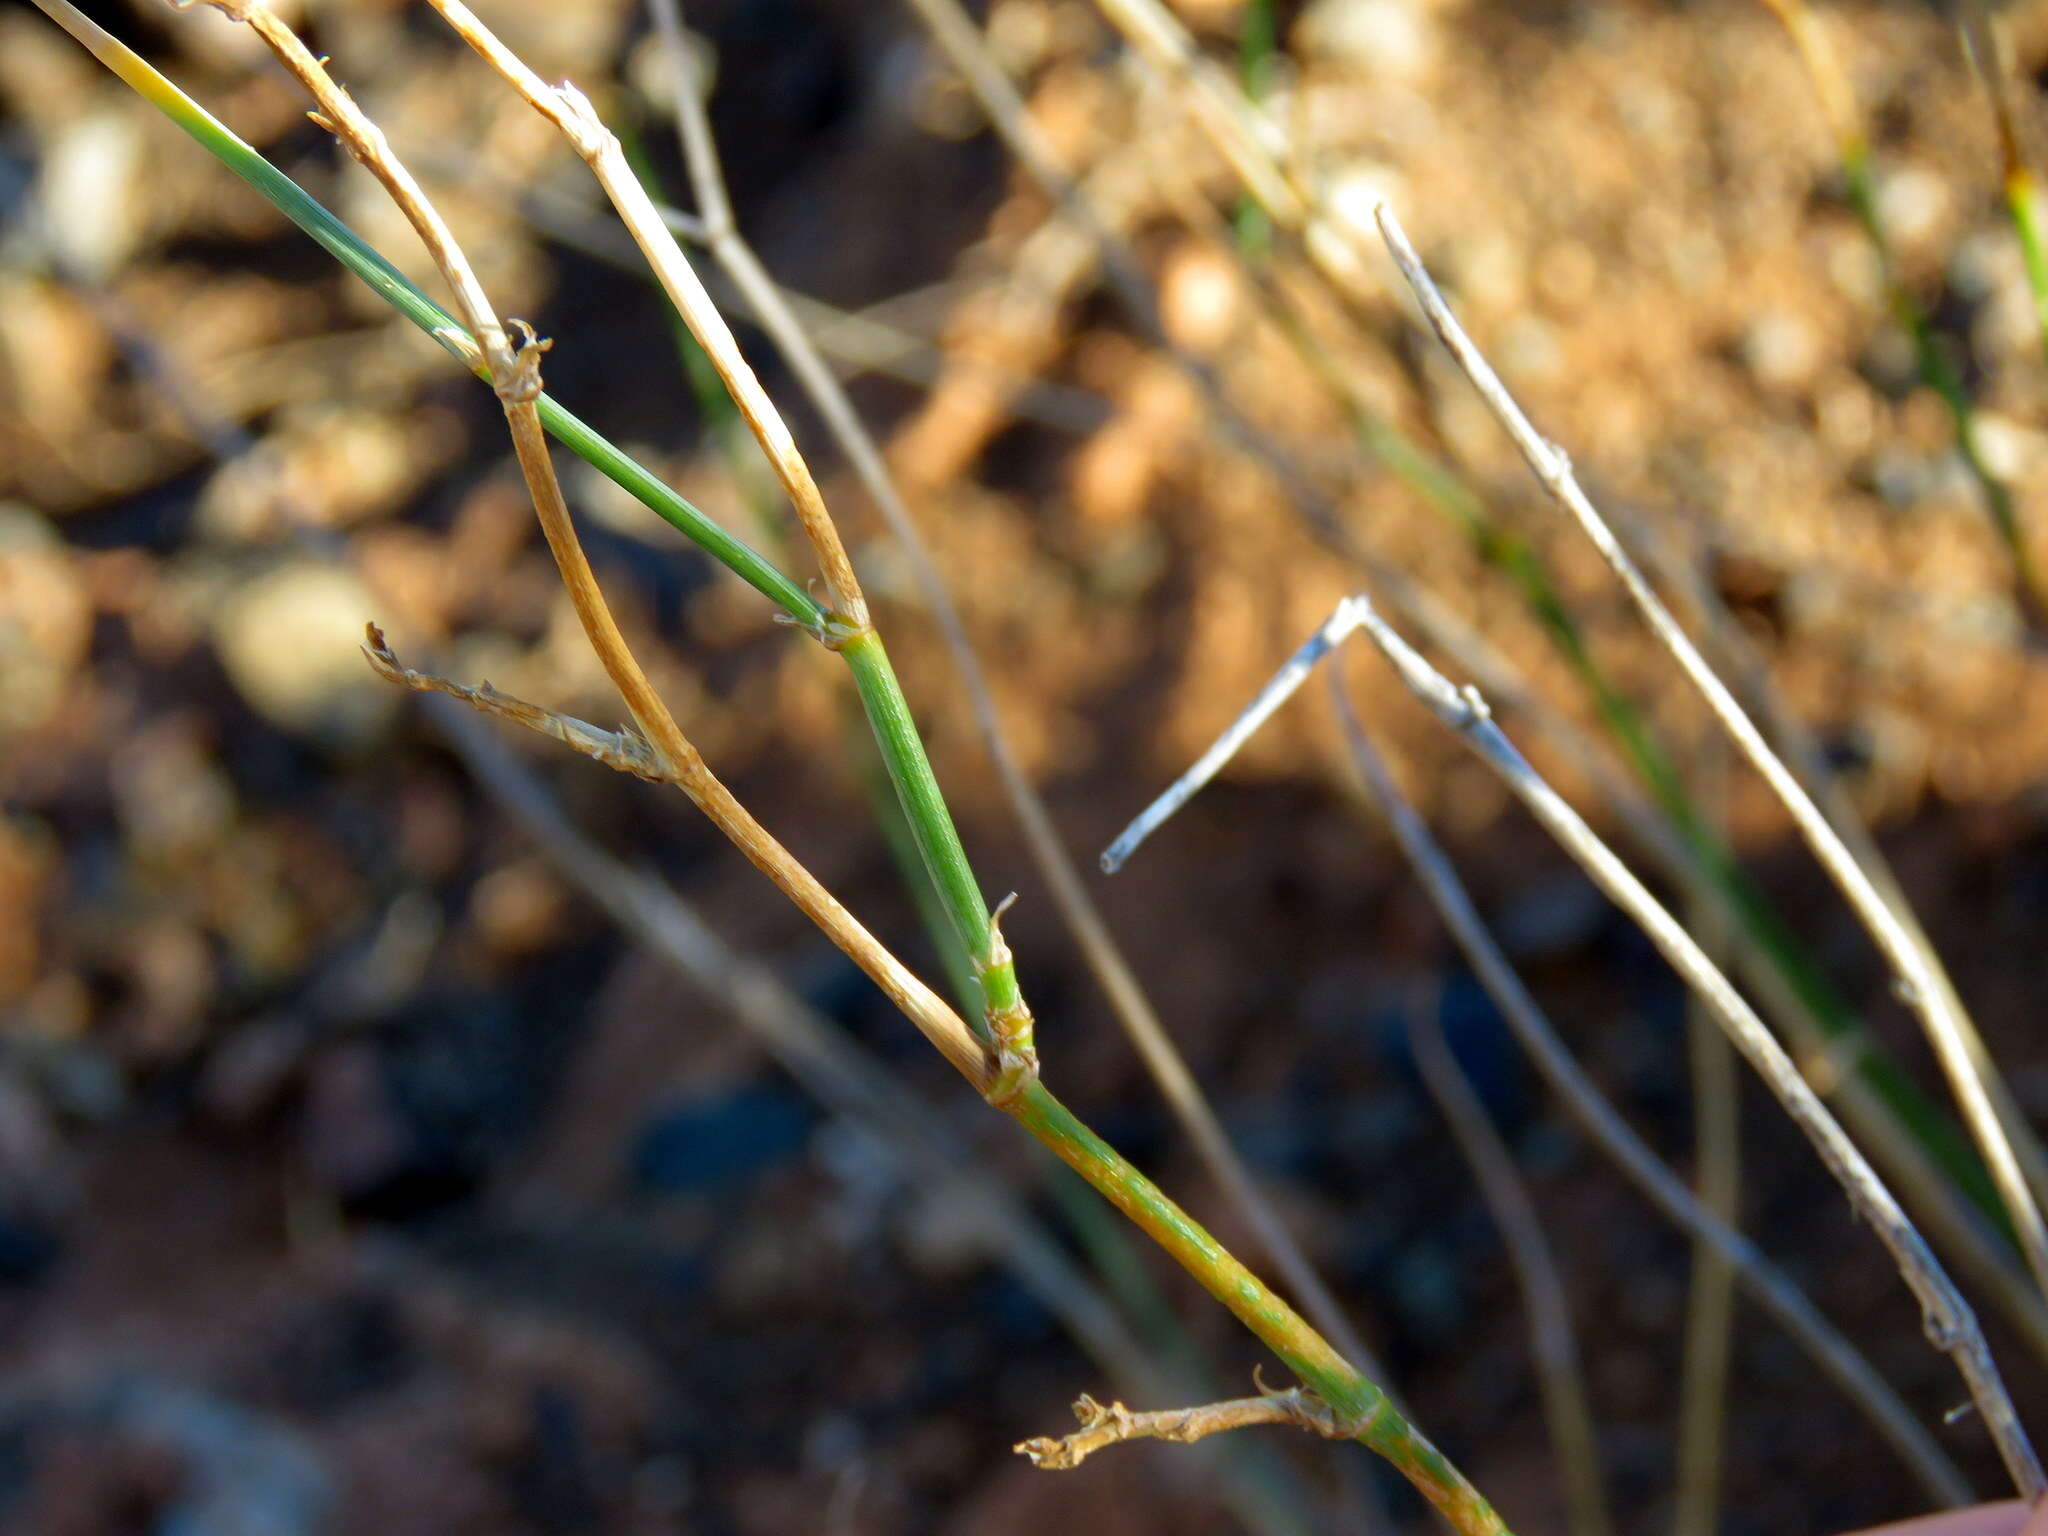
(292, 642)
(1781, 351)
(1388, 37)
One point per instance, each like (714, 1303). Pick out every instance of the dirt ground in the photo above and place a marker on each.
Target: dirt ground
(357, 1175)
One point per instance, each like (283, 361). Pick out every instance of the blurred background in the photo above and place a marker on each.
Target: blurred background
(358, 1173)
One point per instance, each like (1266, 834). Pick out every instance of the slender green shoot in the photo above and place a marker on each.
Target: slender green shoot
(1258, 59)
(1985, 47)
(1937, 370)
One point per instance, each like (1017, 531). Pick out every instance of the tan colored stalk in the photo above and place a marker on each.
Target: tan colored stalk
(1005, 1069)
(1105, 957)
(1553, 1340)
(570, 111)
(1924, 984)
(836, 1069)
(516, 379)
(1947, 1318)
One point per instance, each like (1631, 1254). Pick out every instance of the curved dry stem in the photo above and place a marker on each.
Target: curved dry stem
(837, 1070)
(570, 110)
(1924, 985)
(516, 378)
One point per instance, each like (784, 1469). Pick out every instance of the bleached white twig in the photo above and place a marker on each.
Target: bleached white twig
(1948, 1321)
(1947, 1318)
(1923, 985)
(1597, 1116)
(1344, 621)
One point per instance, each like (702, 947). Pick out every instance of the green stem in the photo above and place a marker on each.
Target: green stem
(1304, 1351)
(931, 824)
(1935, 368)
(2023, 199)
(1258, 46)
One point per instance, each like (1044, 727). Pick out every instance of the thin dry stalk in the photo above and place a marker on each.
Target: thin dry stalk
(1105, 957)
(1738, 656)
(1555, 1343)
(517, 382)
(1102, 1427)
(1947, 1318)
(570, 111)
(1924, 984)
(1597, 1116)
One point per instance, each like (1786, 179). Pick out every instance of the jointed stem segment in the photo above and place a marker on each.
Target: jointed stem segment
(1007, 1015)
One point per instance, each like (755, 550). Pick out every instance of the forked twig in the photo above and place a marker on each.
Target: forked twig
(1925, 987)
(1597, 1116)
(1554, 1342)
(570, 111)
(1773, 1291)
(1102, 1427)
(1947, 1318)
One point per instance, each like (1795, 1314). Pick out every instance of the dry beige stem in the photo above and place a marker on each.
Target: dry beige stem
(516, 378)
(1922, 981)
(1102, 1427)
(570, 110)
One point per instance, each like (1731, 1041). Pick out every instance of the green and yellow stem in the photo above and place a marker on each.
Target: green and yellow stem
(1006, 1019)
(1852, 149)
(1379, 1426)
